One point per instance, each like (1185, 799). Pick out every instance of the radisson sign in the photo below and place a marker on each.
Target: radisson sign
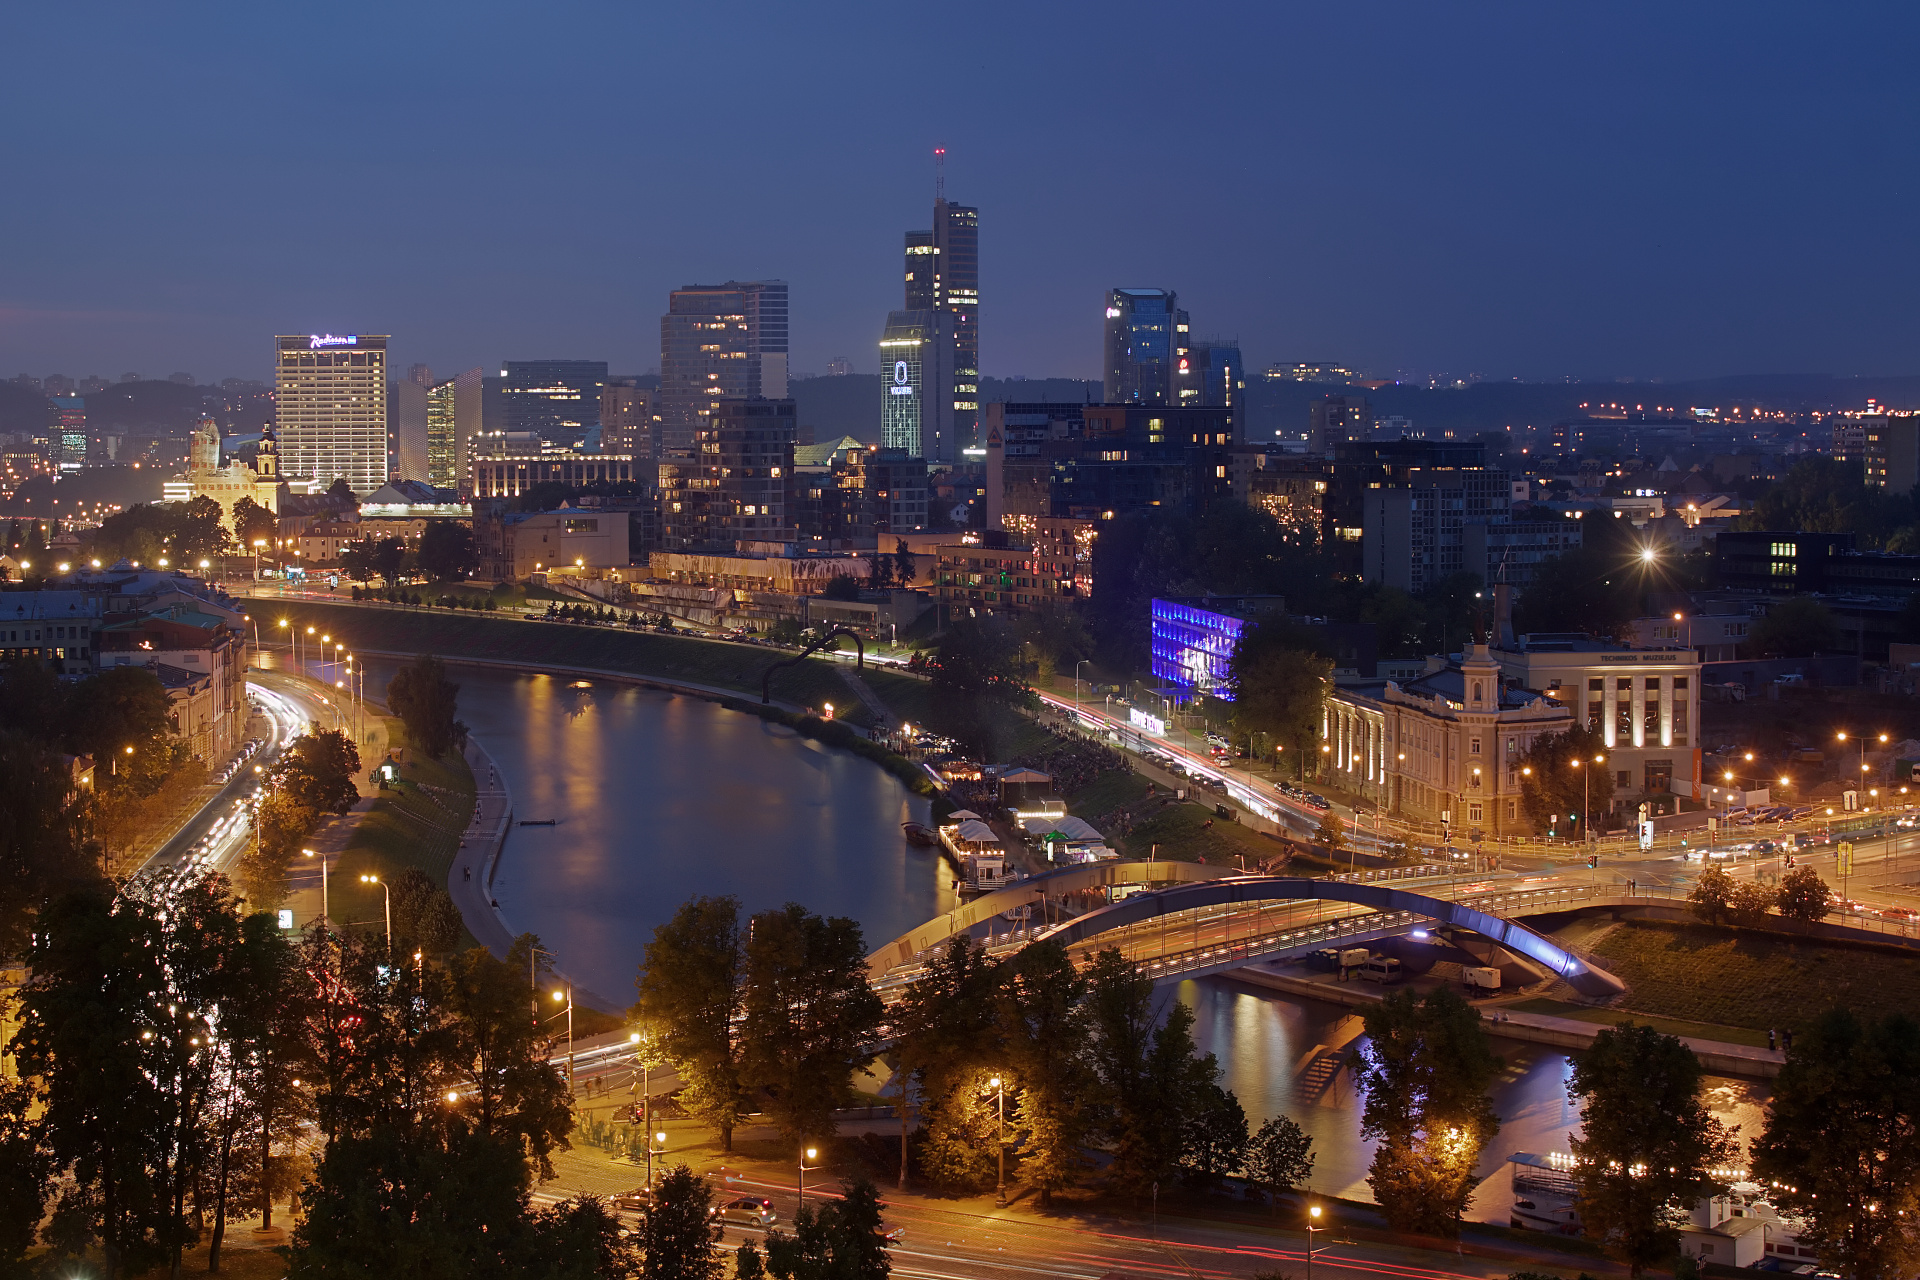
(315, 341)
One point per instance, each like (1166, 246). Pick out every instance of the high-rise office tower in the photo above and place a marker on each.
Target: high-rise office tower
(69, 437)
(330, 404)
(626, 418)
(749, 443)
(916, 385)
(559, 400)
(420, 375)
(443, 435)
(407, 418)
(1146, 340)
(1211, 375)
(943, 274)
(716, 341)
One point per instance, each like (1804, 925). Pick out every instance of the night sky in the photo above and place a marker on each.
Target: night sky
(1528, 190)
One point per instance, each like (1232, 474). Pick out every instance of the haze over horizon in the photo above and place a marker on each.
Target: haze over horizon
(1637, 192)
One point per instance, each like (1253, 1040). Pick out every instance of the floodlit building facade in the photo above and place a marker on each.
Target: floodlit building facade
(331, 408)
(916, 385)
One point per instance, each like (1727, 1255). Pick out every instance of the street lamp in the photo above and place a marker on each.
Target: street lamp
(323, 876)
(999, 1087)
(1313, 1225)
(811, 1153)
(372, 879)
(567, 996)
(1076, 681)
(1586, 801)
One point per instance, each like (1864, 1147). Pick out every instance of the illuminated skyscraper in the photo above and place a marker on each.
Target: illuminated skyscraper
(943, 274)
(1146, 338)
(718, 341)
(330, 403)
(558, 400)
(916, 385)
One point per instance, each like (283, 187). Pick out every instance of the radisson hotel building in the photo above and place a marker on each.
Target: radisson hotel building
(331, 408)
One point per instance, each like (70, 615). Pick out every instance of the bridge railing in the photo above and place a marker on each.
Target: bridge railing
(1239, 951)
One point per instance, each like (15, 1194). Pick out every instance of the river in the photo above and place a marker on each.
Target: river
(660, 797)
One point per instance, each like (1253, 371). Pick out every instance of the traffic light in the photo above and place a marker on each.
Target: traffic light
(1593, 860)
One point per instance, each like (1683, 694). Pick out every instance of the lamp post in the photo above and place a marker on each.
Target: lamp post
(567, 995)
(1076, 684)
(811, 1153)
(1586, 797)
(1313, 1225)
(323, 874)
(372, 879)
(999, 1087)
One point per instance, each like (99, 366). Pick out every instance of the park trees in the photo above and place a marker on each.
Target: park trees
(690, 998)
(426, 702)
(1563, 779)
(1795, 628)
(446, 551)
(254, 527)
(1712, 896)
(1280, 1156)
(1280, 683)
(949, 1043)
(808, 1017)
(1425, 1071)
(839, 1240)
(1842, 1142)
(317, 772)
(1804, 896)
(978, 683)
(516, 1092)
(43, 830)
(424, 914)
(676, 1236)
(1045, 1027)
(1648, 1146)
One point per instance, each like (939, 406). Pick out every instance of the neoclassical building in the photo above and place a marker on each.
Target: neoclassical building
(1443, 747)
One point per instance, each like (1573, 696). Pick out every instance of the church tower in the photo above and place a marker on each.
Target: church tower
(266, 462)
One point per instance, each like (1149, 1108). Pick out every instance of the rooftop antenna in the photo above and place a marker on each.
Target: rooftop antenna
(939, 175)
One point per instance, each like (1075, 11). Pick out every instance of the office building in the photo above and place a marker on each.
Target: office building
(330, 406)
(999, 576)
(457, 412)
(943, 274)
(1093, 462)
(1415, 532)
(407, 412)
(892, 489)
(1892, 447)
(1337, 420)
(1146, 338)
(750, 444)
(420, 375)
(1193, 639)
(627, 418)
(727, 340)
(916, 385)
(69, 435)
(507, 472)
(1211, 374)
(557, 399)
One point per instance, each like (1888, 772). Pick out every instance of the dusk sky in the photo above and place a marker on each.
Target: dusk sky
(1528, 190)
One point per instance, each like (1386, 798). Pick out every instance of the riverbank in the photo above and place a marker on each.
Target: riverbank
(710, 668)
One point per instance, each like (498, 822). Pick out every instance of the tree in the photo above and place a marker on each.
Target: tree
(1795, 628)
(199, 531)
(26, 1174)
(977, 683)
(356, 560)
(253, 523)
(839, 1240)
(446, 551)
(43, 848)
(516, 1093)
(1842, 1142)
(675, 1234)
(423, 913)
(1594, 588)
(1804, 896)
(1648, 1144)
(1152, 1084)
(903, 567)
(841, 586)
(809, 1018)
(1280, 1157)
(1560, 781)
(946, 1037)
(1425, 1070)
(582, 1239)
(1213, 1137)
(1751, 903)
(318, 771)
(341, 494)
(1827, 495)
(1044, 1028)
(426, 702)
(1329, 834)
(1712, 896)
(690, 996)
(1280, 684)
(386, 557)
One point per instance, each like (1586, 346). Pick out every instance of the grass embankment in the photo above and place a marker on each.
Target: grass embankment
(1667, 1026)
(644, 654)
(417, 825)
(1742, 978)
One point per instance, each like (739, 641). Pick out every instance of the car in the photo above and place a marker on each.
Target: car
(749, 1211)
(639, 1200)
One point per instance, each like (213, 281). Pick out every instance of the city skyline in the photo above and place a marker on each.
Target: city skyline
(1457, 211)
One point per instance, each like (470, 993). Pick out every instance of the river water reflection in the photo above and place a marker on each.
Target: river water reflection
(660, 797)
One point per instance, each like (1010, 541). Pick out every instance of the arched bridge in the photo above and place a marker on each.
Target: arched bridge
(1388, 910)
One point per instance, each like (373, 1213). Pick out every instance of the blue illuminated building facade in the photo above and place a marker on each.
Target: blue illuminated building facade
(1194, 639)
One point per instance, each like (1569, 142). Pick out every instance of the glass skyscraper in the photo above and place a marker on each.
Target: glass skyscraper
(916, 385)
(716, 341)
(943, 274)
(1146, 341)
(559, 400)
